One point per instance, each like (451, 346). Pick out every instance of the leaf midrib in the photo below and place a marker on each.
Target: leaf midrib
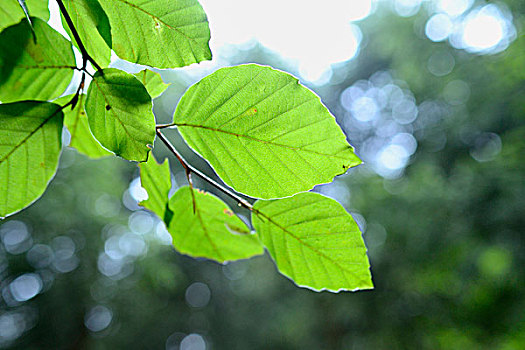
(259, 140)
(29, 135)
(285, 230)
(124, 126)
(205, 230)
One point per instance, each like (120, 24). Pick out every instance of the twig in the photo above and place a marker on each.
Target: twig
(164, 126)
(85, 56)
(190, 169)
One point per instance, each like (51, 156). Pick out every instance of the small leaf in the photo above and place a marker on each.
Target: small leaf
(313, 241)
(156, 180)
(152, 81)
(159, 33)
(92, 26)
(76, 122)
(212, 232)
(30, 143)
(32, 70)
(11, 12)
(265, 135)
(120, 116)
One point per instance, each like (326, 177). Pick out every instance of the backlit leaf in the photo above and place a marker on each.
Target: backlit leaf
(213, 231)
(265, 135)
(159, 33)
(152, 81)
(30, 143)
(120, 116)
(11, 12)
(155, 178)
(92, 26)
(77, 123)
(32, 70)
(313, 241)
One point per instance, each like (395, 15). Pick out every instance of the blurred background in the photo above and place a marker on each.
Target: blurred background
(432, 96)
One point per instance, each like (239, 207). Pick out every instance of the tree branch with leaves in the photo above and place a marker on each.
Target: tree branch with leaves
(268, 137)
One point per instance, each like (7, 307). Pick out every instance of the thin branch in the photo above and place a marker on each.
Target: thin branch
(190, 169)
(86, 57)
(164, 126)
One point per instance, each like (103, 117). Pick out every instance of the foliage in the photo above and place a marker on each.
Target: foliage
(445, 238)
(266, 135)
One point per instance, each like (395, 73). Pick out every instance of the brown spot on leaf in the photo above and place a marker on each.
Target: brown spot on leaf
(108, 107)
(228, 212)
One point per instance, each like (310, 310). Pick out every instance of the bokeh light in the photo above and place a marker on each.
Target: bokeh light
(198, 295)
(314, 35)
(439, 27)
(407, 8)
(98, 318)
(380, 115)
(193, 342)
(486, 30)
(453, 8)
(26, 287)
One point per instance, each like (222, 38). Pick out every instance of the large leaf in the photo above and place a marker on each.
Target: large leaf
(152, 81)
(76, 122)
(11, 12)
(30, 142)
(212, 232)
(32, 70)
(119, 111)
(313, 241)
(265, 135)
(159, 33)
(155, 178)
(92, 26)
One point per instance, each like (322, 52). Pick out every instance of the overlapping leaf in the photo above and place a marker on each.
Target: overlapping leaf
(159, 33)
(120, 116)
(152, 81)
(155, 178)
(265, 135)
(30, 142)
(313, 241)
(212, 232)
(11, 13)
(92, 26)
(32, 70)
(76, 122)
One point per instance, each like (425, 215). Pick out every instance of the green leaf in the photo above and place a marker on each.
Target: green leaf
(159, 33)
(92, 26)
(120, 116)
(213, 231)
(155, 178)
(313, 241)
(76, 122)
(23, 5)
(32, 70)
(30, 142)
(152, 81)
(11, 12)
(265, 135)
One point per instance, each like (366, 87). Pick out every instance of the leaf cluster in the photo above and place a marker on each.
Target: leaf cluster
(265, 135)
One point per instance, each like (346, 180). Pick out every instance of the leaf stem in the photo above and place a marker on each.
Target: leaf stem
(86, 57)
(190, 169)
(164, 126)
